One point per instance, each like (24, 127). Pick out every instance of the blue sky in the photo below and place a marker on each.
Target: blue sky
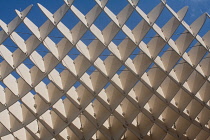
(7, 13)
(196, 7)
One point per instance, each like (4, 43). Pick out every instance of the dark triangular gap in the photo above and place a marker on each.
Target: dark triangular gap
(150, 67)
(84, 6)
(90, 70)
(193, 44)
(121, 69)
(28, 63)
(10, 45)
(77, 84)
(146, 6)
(15, 74)
(70, 20)
(119, 38)
(164, 49)
(164, 17)
(74, 53)
(102, 21)
(180, 30)
(46, 80)
(151, 34)
(56, 36)
(106, 53)
(134, 20)
(135, 53)
(42, 50)
(60, 67)
(23, 31)
(87, 38)
(116, 6)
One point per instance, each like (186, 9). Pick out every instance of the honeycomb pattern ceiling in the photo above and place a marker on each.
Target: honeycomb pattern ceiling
(104, 87)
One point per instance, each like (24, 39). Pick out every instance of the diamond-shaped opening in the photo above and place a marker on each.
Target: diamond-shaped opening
(91, 70)
(70, 20)
(33, 92)
(180, 30)
(206, 55)
(150, 35)
(15, 74)
(46, 80)
(20, 101)
(107, 85)
(180, 61)
(164, 17)
(116, 9)
(42, 50)
(28, 63)
(165, 48)
(88, 37)
(192, 45)
(102, 21)
(77, 84)
(63, 97)
(73, 53)
(135, 53)
(2, 84)
(134, 20)
(105, 54)
(53, 7)
(60, 67)
(205, 26)
(10, 45)
(119, 38)
(147, 6)
(1, 59)
(93, 100)
(121, 69)
(39, 18)
(85, 7)
(23, 31)
(150, 67)
(56, 36)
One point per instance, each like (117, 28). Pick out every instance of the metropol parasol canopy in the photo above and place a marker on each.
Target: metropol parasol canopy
(104, 87)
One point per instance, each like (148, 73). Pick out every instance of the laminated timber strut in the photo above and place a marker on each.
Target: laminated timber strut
(160, 93)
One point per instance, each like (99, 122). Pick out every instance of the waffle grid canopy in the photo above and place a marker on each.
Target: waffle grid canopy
(135, 89)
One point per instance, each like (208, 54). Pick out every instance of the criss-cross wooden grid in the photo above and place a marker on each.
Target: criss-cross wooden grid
(151, 96)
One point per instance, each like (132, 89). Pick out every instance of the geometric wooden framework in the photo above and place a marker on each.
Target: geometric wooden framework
(151, 95)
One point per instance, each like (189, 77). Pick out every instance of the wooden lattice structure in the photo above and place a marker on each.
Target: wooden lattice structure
(154, 96)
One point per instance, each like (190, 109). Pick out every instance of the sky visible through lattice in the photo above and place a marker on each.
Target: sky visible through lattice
(103, 73)
(7, 13)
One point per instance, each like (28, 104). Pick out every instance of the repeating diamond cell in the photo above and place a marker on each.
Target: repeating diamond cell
(105, 88)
